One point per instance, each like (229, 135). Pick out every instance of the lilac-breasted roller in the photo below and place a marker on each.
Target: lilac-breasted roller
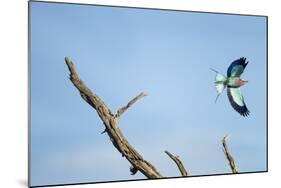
(233, 82)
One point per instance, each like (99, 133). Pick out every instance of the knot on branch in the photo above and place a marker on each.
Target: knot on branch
(133, 170)
(104, 131)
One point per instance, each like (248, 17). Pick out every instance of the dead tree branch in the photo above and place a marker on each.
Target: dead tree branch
(111, 125)
(178, 163)
(120, 111)
(228, 156)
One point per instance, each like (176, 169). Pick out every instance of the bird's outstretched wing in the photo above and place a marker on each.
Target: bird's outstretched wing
(237, 67)
(237, 101)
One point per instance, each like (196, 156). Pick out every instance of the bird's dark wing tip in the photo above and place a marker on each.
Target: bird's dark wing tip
(242, 110)
(243, 61)
(245, 113)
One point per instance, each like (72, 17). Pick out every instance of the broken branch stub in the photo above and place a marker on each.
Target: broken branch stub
(178, 163)
(228, 156)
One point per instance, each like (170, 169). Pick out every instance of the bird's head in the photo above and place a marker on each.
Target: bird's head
(242, 82)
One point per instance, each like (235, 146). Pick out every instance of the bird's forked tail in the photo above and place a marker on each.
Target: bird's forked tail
(220, 83)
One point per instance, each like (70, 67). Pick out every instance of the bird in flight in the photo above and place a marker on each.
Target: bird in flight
(233, 82)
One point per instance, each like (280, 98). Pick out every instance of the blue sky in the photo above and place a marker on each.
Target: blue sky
(119, 52)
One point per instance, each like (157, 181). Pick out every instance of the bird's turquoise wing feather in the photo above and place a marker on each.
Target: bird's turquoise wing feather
(237, 67)
(236, 96)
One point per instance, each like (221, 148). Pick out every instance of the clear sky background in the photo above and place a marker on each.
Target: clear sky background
(119, 52)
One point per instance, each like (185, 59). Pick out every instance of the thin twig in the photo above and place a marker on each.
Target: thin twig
(111, 127)
(228, 156)
(120, 111)
(178, 163)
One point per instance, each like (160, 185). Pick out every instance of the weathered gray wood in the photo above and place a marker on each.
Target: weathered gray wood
(228, 156)
(178, 163)
(120, 111)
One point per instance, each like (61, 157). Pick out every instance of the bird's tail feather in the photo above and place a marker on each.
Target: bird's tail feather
(219, 87)
(220, 83)
(214, 70)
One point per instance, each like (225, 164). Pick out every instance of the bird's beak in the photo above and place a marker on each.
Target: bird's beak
(244, 81)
